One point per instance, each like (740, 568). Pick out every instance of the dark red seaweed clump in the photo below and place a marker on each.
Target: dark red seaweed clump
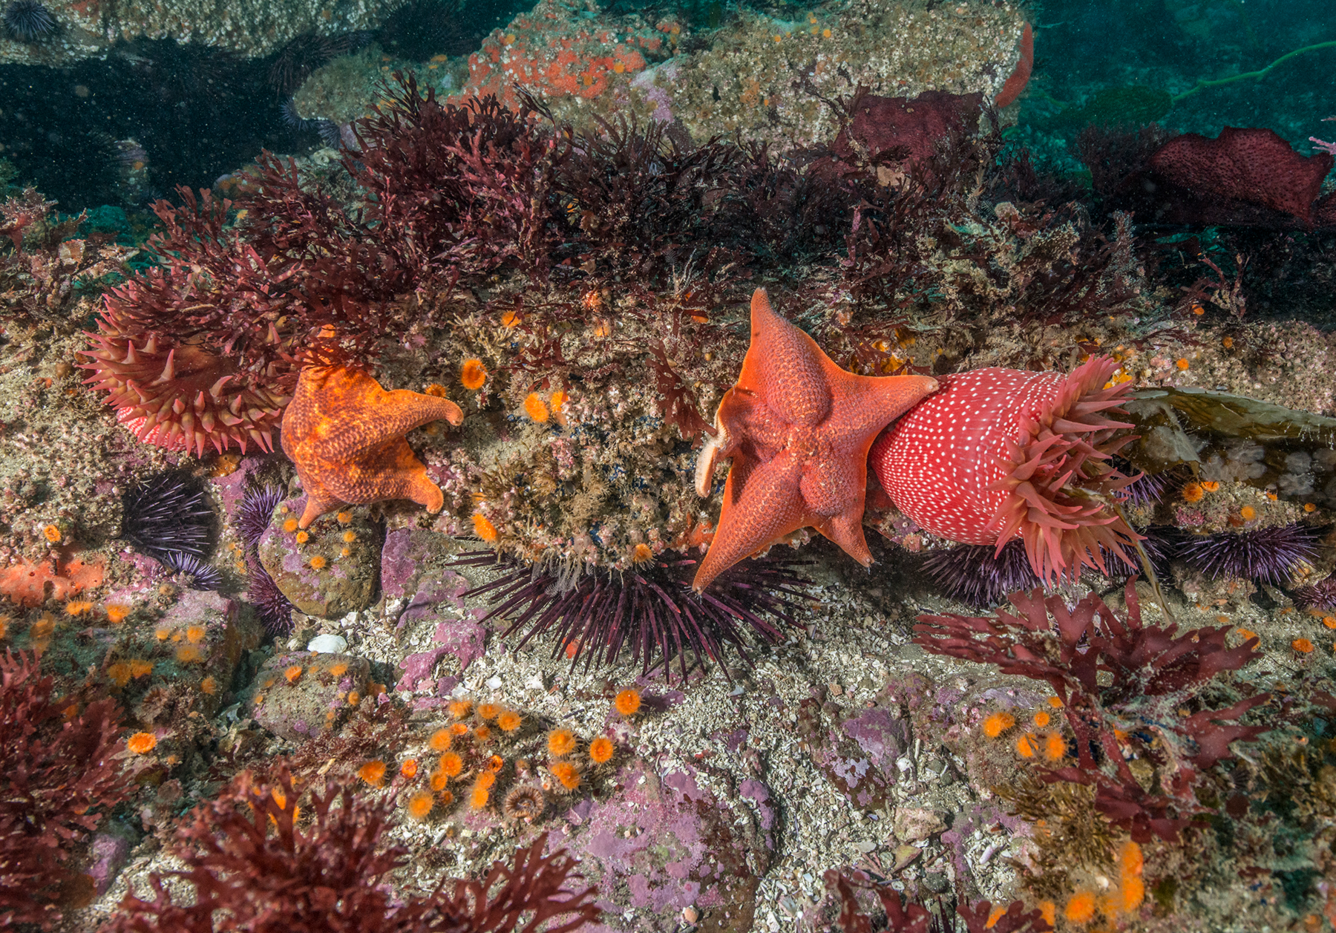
(59, 780)
(253, 866)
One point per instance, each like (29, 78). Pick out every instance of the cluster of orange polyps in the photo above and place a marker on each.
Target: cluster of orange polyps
(478, 753)
(1043, 736)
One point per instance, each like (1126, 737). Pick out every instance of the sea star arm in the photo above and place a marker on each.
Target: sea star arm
(393, 470)
(317, 505)
(385, 415)
(865, 405)
(773, 509)
(786, 367)
(743, 424)
(833, 488)
(846, 530)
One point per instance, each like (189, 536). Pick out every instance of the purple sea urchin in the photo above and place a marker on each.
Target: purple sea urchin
(305, 53)
(256, 509)
(971, 574)
(167, 513)
(28, 20)
(1266, 555)
(649, 609)
(333, 134)
(253, 517)
(292, 116)
(1157, 542)
(1145, 489)
(203, 576)
(1321, 595)
(270, 604)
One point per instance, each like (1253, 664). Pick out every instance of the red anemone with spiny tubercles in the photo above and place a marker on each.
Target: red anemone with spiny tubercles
(200, 350)
(185, 397)
(998, 454)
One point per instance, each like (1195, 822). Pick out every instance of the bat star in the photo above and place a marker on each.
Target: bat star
(798, 429)
(345, 435)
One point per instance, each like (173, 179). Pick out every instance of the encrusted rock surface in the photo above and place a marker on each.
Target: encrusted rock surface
(328, 570)
(208, 634)
(663, 842)
(298, 695)
(251, 28)
(760, 76)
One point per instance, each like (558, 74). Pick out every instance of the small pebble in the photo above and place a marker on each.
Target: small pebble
(328, 644)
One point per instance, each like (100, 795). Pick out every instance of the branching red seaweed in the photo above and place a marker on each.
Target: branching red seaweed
(59, 781)
(1124, 687)
(254, 867)
(905, 916)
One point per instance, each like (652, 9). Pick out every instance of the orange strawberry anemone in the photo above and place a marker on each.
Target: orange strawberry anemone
(999, 454)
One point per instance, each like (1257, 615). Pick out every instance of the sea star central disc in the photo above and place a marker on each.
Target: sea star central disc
(798, 429)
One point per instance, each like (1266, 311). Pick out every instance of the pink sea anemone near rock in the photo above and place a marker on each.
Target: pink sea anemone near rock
(184, 397)
(999, 454)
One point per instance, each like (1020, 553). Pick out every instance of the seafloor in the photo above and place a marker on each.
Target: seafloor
(739, 784)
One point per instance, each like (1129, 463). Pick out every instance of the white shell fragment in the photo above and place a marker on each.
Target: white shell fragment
(328, 644)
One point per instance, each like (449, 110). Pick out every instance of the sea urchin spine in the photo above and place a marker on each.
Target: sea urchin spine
(255, 512)
(649, 609)
(981, 576)
(1267, 555)
(28, 20)
(253, 517)
(203, 576)
(1320, 596)
(273, 608)
(167, 513)
(999, 454)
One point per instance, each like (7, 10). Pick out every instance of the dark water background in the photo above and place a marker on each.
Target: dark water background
(199, 113)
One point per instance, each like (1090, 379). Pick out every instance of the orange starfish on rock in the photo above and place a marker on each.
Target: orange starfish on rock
(798, 429)
(345, 435)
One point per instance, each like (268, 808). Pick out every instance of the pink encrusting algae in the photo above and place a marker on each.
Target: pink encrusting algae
(999, 454)
(551, 56)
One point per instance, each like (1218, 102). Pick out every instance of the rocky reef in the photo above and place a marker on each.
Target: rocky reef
(440, 617)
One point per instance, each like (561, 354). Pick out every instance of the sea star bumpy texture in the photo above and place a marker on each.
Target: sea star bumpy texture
(345, 435)
(798, 429)
(1000, 454)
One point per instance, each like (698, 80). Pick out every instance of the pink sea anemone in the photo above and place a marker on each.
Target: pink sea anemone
(184, 397)
(1000, 454)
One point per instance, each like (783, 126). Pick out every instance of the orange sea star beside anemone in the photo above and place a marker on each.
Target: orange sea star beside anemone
(345, 435)
(798, 429)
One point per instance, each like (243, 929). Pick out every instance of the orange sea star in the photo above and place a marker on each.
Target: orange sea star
(798, 429)
(345, 435)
